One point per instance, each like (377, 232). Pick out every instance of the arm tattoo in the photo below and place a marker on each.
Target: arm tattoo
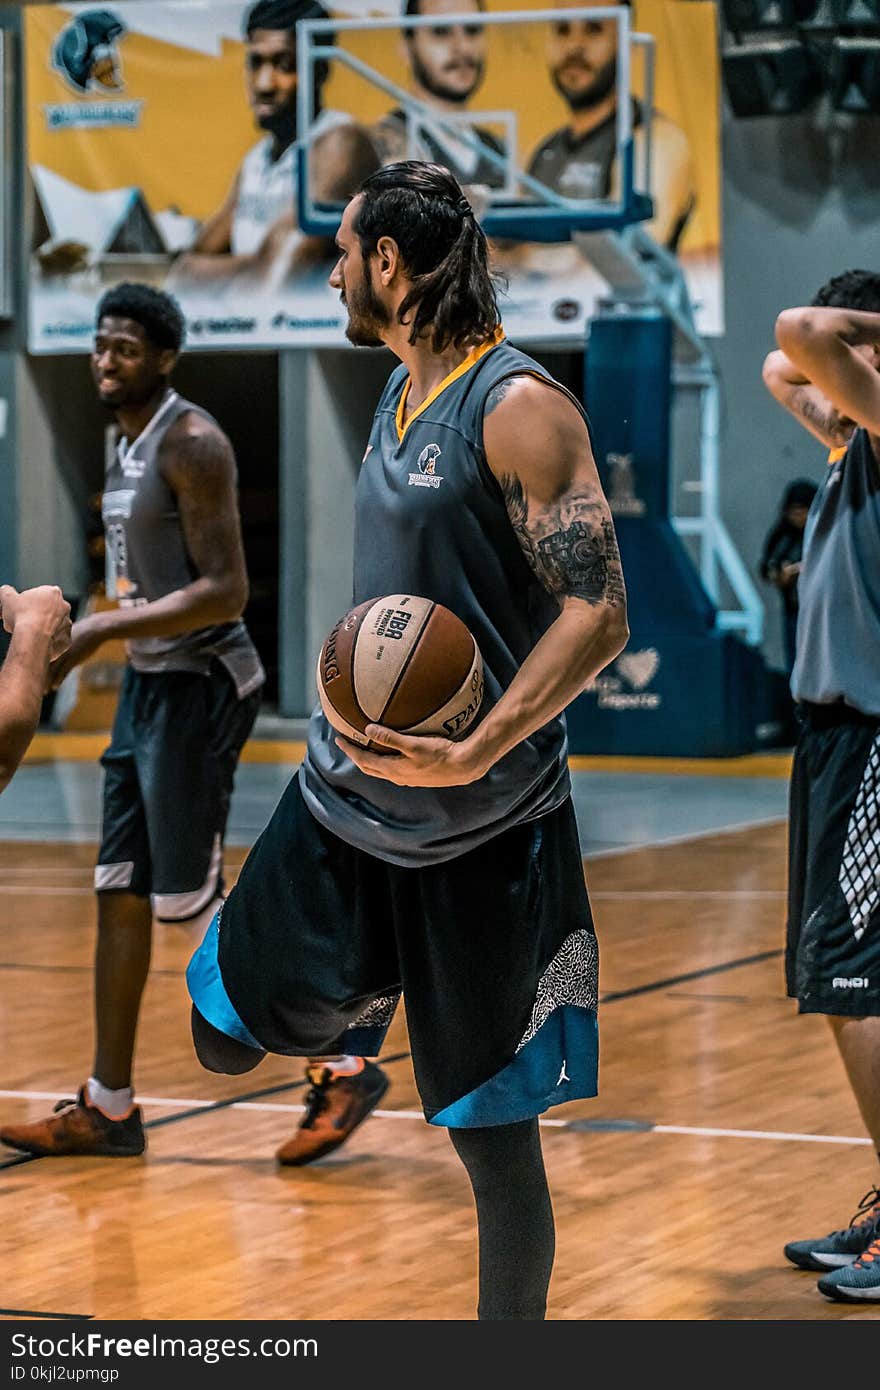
(569, 543)
(834, 426)
(497, 394)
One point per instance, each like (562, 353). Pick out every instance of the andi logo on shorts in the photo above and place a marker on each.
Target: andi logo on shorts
(427, 475)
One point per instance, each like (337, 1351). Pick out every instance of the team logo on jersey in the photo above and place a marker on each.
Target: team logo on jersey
(85, 52)
(426, 462)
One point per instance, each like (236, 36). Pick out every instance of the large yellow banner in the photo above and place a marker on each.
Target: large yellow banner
(163, 145)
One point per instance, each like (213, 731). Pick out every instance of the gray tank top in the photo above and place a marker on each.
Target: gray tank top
(580, 166)
(430, 520)
(838, 631)
(146, 557)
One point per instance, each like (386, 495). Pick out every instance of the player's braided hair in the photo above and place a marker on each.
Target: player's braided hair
(158, 313)
(444, 249)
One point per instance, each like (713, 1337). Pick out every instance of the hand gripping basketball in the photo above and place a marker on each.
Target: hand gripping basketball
(403, 662)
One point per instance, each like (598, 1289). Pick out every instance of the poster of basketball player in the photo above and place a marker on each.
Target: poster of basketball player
(163, 146)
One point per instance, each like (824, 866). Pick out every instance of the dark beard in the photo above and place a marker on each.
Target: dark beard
(366, 315)
(425, 80)
(603, 85)
(281, 125)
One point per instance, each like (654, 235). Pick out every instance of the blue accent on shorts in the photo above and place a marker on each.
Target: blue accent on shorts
(208, 993)
(568, 1042)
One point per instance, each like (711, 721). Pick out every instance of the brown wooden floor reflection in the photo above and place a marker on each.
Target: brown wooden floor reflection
(696, 1036)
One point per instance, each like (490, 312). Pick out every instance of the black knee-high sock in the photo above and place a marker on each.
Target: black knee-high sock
(514, 1217)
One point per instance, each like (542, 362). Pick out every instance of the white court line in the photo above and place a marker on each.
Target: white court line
(760, 1134)
(52, 892)
(685, 839)
(175, 1103)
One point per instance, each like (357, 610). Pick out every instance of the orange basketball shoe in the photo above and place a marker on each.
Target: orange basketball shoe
(335, 1106)
(78, 1127)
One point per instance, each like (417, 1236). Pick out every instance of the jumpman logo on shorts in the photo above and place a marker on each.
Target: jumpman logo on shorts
(563, 1074)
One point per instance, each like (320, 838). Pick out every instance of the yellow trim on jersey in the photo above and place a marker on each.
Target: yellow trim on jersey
(472, 358)
(836, 454)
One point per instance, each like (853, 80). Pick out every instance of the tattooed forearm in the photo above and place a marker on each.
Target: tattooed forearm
(570, 543)
(835, 427)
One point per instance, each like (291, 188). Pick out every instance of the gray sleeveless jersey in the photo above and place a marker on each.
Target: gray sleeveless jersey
(838, 631)
(146, 557)
(430, 520)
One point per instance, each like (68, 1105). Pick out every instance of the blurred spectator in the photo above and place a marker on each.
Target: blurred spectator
(781, 556)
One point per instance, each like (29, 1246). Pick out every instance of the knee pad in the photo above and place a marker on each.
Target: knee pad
(218, 1052)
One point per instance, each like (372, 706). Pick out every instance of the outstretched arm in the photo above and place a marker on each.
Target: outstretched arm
(538, 448)
(39, 620)
(805, 402)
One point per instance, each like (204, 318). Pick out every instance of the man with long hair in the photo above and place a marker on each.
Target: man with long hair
(450, 871)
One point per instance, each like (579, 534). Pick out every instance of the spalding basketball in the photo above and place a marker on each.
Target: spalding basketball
(404, 662)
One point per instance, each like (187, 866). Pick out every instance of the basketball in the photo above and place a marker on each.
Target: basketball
(402, 661)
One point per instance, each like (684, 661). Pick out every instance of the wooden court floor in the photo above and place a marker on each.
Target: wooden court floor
(724, 1128)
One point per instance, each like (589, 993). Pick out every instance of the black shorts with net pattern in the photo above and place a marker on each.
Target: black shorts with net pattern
(494, 952)
(833, 944)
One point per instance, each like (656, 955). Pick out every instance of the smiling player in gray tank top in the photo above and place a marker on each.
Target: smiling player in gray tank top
(189, 697)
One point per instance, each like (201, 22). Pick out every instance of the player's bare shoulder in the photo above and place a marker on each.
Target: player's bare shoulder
(519, 391)
(196, 452)
(527, 413)
(668, 140)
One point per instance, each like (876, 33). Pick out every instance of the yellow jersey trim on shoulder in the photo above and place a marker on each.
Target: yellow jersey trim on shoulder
(464, 366)
(835, 455)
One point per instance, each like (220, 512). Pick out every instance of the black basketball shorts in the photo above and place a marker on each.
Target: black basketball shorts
(833, 946)
(494, 952)
(168, 777)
